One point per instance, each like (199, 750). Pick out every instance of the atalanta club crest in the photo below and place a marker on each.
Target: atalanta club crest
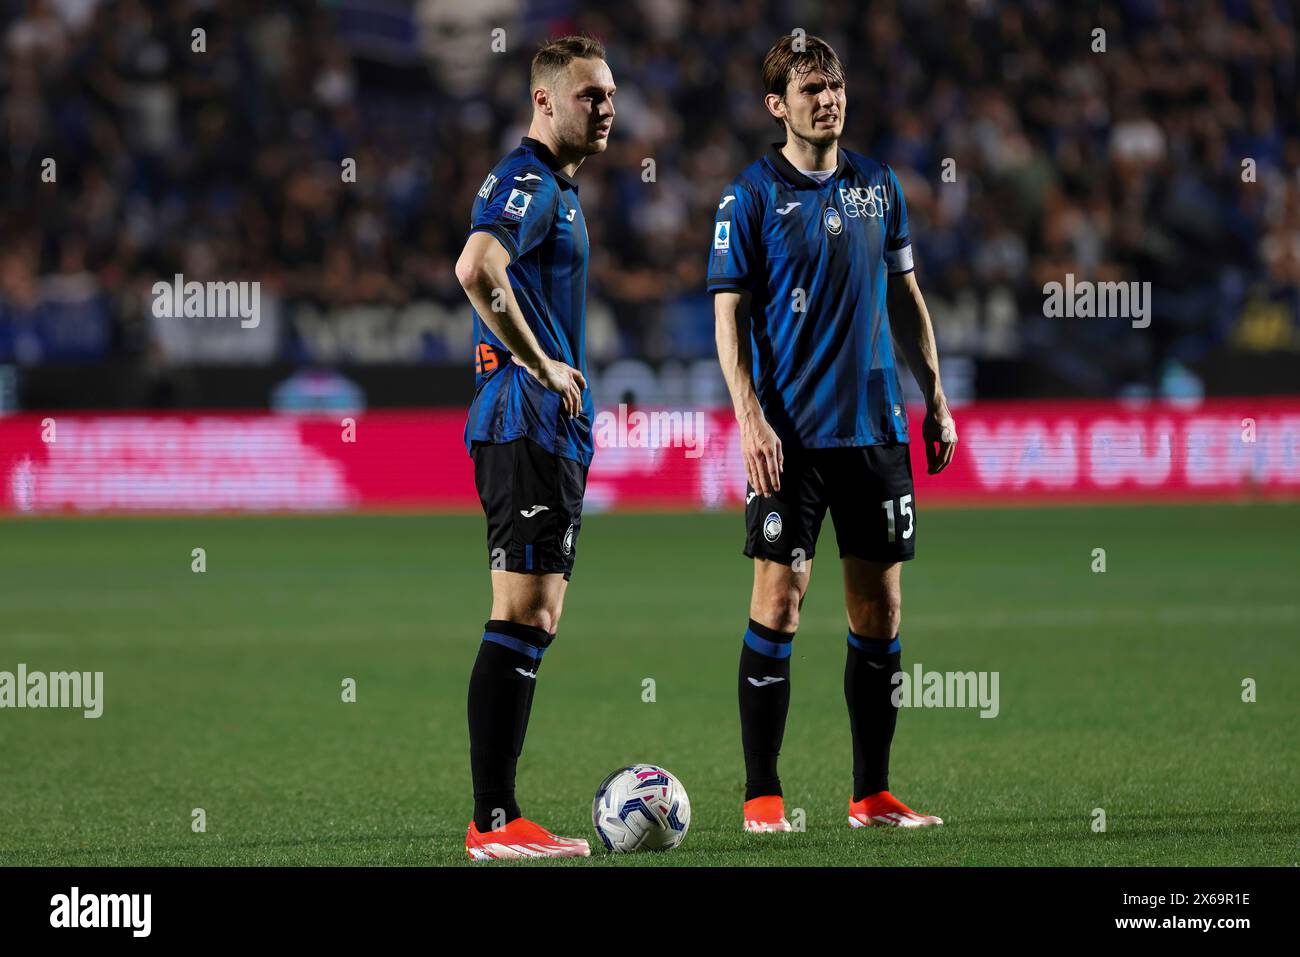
(772, 526)
(567, 544)
(833, 222)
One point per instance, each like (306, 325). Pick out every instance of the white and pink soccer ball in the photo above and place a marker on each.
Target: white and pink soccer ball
(641, 808)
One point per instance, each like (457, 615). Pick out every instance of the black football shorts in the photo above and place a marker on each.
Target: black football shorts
(867, 489)
(533, 502)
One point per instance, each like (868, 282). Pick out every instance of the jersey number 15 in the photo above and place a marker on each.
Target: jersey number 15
(904, 506)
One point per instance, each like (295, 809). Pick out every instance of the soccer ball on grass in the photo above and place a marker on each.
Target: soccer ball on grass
(641, 807)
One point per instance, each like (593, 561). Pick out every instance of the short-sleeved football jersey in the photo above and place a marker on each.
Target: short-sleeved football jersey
(531, 207)
(816, 258)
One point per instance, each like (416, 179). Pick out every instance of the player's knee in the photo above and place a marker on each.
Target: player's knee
(546, 618)
(539, 614)
(528, 600)
(778, 608)
(878, 616)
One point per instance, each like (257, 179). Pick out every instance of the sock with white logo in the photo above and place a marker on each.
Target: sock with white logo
(868, 689)
(501, 688)
(764, 703)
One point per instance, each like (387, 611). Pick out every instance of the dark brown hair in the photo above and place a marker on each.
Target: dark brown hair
(783, 62)
(555, 55)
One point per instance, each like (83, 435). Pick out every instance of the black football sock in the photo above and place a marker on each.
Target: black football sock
(764, 703)
(501, 690)
(868, 688)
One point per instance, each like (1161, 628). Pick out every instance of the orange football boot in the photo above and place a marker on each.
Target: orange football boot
(521, 839)
(766, 814)
(882, 809)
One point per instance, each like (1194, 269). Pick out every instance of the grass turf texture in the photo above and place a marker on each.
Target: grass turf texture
(1119, 691)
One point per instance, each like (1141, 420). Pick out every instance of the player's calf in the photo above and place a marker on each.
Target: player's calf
(501, 689)
(764, 704)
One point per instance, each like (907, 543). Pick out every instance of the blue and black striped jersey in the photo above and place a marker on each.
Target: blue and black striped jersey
(816, 258)
(531, 207)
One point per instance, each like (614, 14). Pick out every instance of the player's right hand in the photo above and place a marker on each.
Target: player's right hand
(940, 434)
(565, 380)
(764, 457)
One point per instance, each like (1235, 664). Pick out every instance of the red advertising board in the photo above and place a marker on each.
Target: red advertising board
(1009, 453)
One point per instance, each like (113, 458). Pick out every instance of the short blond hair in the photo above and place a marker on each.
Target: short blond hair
(555, 55)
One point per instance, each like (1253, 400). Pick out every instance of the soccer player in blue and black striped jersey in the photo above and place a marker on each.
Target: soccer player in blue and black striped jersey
(524, 268)
(811, 271)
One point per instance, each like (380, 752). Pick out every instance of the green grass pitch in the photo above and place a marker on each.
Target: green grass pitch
(1120, 691)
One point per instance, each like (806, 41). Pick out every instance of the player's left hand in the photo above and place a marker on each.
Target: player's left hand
(940, 434)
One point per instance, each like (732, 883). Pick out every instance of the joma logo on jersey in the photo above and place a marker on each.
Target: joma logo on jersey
(485, 190)
(868, 202)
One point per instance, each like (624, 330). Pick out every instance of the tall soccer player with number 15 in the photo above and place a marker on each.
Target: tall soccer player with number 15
(811, 275)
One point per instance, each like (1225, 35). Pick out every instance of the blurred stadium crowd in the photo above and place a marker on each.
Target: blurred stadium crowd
(226, 164)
